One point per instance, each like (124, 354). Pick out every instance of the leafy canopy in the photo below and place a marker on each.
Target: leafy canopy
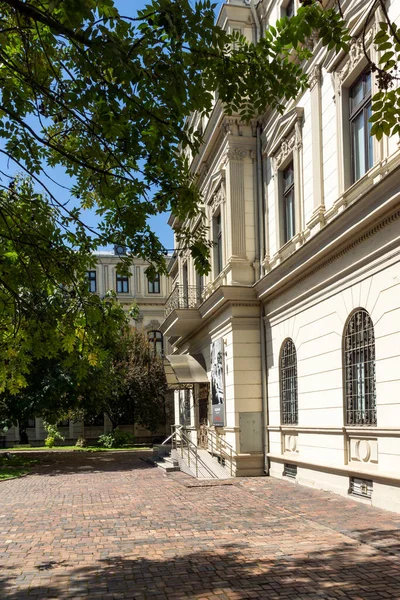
(107, 98)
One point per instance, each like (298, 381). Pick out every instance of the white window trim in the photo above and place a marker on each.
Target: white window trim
(285, 145)
(346, 75)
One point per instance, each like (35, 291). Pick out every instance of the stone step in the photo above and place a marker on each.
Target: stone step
(167, 463)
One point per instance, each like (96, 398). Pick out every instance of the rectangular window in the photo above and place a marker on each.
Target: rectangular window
(288, 208)
(360, 128)
(31, 423)
(218, 264)
(288, 10)
(154, 286)
(122, 284)
(91, 277)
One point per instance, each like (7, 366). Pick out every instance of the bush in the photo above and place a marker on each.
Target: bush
(116, 439)
(52, 434)
(81, 442)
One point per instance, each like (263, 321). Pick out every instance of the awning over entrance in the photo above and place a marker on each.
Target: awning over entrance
(183, 370)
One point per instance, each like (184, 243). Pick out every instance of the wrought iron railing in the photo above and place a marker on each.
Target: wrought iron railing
(217, 446)
(182, 297)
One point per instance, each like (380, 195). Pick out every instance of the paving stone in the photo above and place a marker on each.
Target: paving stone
(110, 526)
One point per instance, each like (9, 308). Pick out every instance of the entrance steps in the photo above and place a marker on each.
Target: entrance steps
(206, 466)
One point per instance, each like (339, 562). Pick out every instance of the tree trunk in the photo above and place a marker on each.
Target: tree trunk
(23, 436)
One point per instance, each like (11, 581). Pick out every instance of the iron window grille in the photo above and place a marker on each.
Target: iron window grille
(290, 471)
(359, 359)
(122, 284)
(288, 380)
(360, 127)
(361, 487)
(154, 286)
(288, 203)
(92, 283)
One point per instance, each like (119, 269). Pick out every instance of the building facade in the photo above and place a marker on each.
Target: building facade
(298, 323)
(150, 297)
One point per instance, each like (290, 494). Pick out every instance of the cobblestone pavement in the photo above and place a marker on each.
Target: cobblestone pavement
(109, 526)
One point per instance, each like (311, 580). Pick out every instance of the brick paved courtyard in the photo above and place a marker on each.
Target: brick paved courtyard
(110, 526)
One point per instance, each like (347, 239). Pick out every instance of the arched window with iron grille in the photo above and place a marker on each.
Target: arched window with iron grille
(359, 366)
(288, 383)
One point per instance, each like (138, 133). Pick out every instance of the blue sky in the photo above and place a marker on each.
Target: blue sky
(158, 223)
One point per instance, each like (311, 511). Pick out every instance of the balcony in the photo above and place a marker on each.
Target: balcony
(181, 314)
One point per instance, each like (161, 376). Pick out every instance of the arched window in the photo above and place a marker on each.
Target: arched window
(156, 339)
(359, 365)
(288, 380)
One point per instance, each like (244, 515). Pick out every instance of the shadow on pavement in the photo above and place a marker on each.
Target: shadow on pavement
(354, 569)
(52, 464)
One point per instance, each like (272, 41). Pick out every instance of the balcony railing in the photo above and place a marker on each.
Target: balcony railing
(182, 297)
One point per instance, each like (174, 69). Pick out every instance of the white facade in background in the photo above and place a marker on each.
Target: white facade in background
(304, 211)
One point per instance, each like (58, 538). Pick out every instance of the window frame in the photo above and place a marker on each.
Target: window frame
(91, 280)
(286, 193)
(122, 279)
(156, 339)
(218, 243)
(154, 287)
(362, 108)
(365, 413)
(288, 373)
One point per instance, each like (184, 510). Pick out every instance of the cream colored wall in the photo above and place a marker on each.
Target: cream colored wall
(316, 327)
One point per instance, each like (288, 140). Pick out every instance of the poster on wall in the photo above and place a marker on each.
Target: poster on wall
(217, 383)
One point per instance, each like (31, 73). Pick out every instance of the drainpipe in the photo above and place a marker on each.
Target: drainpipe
(255, 17)
(264, 391)
(261, 250)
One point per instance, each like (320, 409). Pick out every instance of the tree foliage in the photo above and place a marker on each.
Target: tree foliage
(107, 98)
(130, 386)
(47, 315)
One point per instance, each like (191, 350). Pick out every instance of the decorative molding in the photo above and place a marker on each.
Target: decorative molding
(153, 325)
(356, 54)
(236, 154)
(217, 199)
(315, 76)
(287, 147)
(370, 233)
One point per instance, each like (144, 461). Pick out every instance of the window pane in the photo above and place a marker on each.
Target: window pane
(289, 215)
(370, 160)
(356, 94)
(288, 177)
(358, 141)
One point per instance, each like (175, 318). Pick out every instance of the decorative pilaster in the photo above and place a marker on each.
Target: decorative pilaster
(236, 225)
(317, 153)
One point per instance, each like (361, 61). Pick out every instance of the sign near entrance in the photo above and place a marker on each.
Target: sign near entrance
(218, 383)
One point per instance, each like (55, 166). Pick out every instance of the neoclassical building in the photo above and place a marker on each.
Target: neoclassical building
(298, 324)
(150, 297)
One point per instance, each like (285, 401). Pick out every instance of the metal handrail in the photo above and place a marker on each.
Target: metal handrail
(218, 445)
(187, 448)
